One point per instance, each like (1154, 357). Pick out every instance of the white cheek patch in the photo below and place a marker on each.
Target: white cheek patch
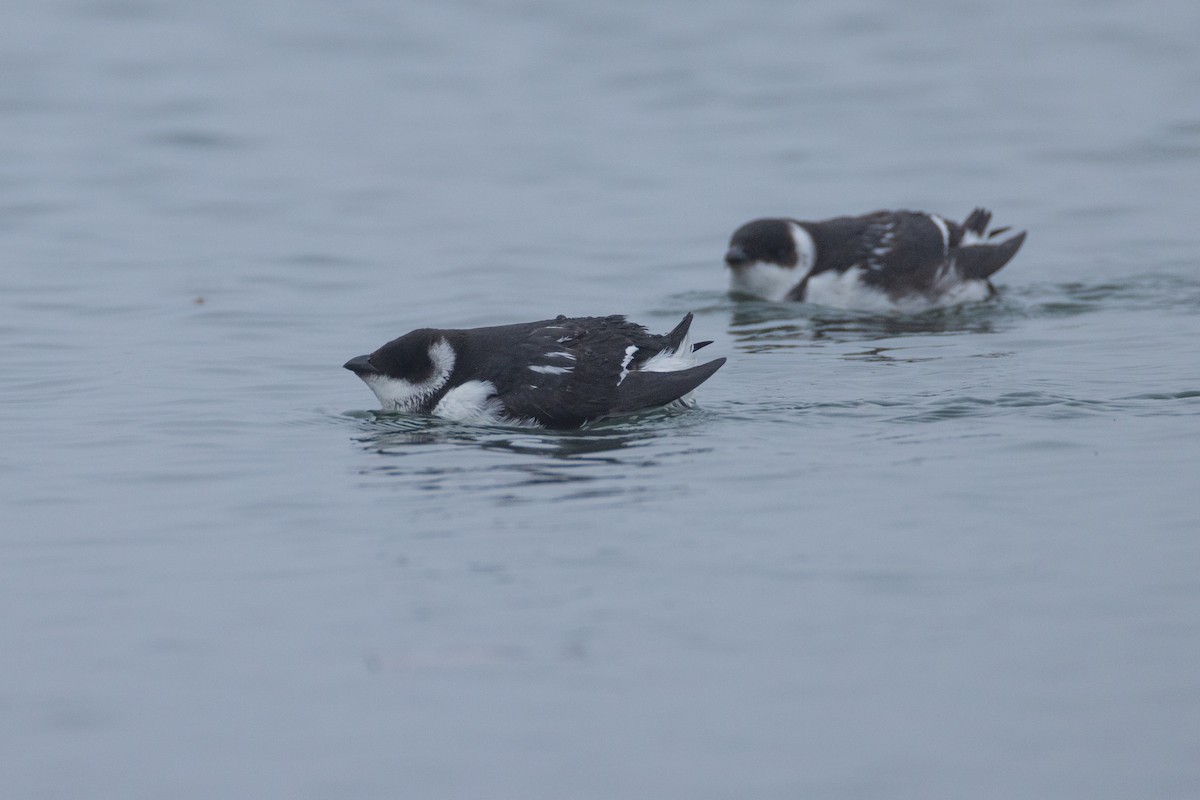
(397, 394)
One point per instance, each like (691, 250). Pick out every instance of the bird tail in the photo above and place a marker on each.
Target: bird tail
(667, 376)
(676, 353)
(976, 223)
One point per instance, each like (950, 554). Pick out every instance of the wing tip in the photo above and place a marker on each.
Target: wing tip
(981, 261)
(643, 390)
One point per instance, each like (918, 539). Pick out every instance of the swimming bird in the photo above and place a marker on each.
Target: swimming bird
(886, 259)
(557, 373)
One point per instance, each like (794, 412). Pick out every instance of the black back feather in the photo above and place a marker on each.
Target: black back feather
(567, 371)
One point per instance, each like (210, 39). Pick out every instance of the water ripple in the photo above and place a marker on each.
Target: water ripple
(1052, 405)
(760, 326)
(599, 461)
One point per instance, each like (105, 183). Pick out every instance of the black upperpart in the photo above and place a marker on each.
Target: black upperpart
(561, 372)
(901, 253)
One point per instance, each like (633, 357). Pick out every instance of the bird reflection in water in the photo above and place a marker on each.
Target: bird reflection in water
(604, 455)
(760, 326)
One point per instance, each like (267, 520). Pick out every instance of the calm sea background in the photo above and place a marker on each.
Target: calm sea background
(954, 555)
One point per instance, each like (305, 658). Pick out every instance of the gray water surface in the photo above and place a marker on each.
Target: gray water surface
(952, 555)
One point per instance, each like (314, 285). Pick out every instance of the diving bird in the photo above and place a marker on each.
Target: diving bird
(886, 259)
(556, 373)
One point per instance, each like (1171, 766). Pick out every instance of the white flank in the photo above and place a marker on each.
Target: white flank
(672, 360)
(473, 401)
(547, 370)
(846, 290)
(397, 394)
